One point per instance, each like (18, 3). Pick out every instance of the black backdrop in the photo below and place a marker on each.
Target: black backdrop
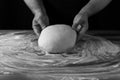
(14, 14)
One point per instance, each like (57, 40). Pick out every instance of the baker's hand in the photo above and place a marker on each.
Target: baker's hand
(80, 23)
(39, 23)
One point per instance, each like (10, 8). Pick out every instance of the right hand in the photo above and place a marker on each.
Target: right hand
(39, 23)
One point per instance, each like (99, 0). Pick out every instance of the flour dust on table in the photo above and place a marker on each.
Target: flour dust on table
(19, 51)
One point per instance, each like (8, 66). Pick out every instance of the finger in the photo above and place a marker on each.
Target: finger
(42, 24)
(36, 28)
(84, 29)
(77, 27)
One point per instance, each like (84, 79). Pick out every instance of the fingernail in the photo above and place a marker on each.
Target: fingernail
(78, 28)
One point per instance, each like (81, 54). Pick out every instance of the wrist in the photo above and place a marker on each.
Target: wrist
(83, 14)
(37, 12)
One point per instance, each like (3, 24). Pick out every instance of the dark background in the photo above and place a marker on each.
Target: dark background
(14, 14)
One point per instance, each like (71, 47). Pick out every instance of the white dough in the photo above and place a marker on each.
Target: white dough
(57, 38)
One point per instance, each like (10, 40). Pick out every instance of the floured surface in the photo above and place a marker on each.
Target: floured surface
(19, 51)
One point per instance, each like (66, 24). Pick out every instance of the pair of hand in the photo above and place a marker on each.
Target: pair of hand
(80, 23)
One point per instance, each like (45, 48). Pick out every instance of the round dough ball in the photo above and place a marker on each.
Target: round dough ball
(57, 38)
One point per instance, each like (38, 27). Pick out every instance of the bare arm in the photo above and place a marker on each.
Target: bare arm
(36, 6)
(41, 19)
(80, 22)
(94, 6)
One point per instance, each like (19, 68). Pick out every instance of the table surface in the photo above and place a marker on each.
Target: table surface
(15, 67)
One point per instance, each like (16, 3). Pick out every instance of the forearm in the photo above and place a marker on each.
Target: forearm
(94, 6)
(35, 6)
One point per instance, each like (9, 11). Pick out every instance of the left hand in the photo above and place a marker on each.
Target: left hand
(39, 22)
(80, 23)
